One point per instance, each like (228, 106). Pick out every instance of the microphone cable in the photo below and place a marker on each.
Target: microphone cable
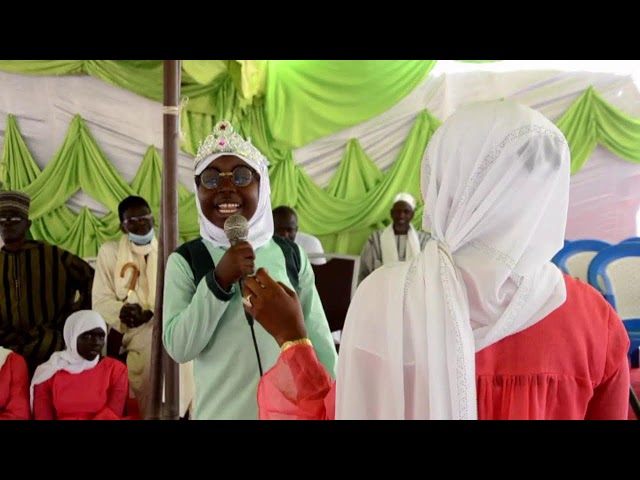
(236, 228)
(255, 342)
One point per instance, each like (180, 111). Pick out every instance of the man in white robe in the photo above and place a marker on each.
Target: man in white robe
(398, 242)
(124, 293)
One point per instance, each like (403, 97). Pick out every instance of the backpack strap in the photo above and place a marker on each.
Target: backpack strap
(292, 259)
(196, 254)
(198, 257)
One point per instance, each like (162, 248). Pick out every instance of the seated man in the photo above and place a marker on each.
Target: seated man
(398, 242)
(124, 294)
(285, 224)
(44, 285)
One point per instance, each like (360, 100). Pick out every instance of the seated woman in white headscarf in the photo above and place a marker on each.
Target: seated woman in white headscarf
(480, 324)
(78, 383)
(14, 386)
(398, 242)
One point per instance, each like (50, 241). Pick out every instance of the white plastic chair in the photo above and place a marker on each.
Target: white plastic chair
(576, 255)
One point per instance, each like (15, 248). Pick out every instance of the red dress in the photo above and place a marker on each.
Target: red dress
(99, 393)
(571, 365)
(14, 389)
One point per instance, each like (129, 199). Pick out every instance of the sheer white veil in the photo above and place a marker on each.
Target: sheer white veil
(495, 182)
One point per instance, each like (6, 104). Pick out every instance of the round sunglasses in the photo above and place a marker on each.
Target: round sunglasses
(211, 178)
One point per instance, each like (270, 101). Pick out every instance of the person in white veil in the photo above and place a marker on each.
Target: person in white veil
(480, 324)
(78, 383)
(203, 318)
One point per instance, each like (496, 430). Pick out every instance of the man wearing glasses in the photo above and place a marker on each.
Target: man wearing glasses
(40, 285)
(124, 290)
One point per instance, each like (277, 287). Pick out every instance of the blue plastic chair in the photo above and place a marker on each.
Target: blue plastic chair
(631, 239)
(633, 329)
(582, 252)
(612, 284)
(619, 282)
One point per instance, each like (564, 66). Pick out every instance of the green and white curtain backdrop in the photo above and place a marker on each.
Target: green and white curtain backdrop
(342, 137)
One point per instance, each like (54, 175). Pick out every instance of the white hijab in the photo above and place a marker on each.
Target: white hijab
(68, 359)
(495, 181)
(260, 225)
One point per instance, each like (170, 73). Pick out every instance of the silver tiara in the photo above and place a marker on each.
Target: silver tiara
(224, 139)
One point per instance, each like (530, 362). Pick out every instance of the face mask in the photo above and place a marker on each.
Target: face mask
(141, 239)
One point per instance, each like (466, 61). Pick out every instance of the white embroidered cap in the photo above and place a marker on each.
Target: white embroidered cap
(405, 197)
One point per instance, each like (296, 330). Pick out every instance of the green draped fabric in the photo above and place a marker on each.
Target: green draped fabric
(335, 93)
(342, 215)
(43, 67)
(591, 120)
(145, 77)
(356, 200)
(320, 97)
(310, 99)
(79, 164)
(356, 174)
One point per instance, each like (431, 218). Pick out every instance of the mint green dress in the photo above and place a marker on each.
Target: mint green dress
(207, 325)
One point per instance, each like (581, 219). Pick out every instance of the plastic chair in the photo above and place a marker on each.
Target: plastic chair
(617, 270)
(631, 239)
(633, 329)
(576, 255)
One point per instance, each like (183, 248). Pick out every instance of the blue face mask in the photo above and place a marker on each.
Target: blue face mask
(141, 239)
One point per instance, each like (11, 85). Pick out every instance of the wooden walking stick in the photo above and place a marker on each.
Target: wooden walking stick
(114, 339)
(134, 277)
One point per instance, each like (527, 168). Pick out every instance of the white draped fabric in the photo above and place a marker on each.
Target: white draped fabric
(604, 199)
(122, 123)
(604, 194)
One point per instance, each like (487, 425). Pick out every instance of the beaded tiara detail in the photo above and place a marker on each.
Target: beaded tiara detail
(224, 139)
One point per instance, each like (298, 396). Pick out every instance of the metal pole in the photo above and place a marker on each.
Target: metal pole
(164, 370)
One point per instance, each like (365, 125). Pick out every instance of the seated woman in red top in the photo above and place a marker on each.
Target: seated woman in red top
(14, 386)
(77, 383)
(481, 324)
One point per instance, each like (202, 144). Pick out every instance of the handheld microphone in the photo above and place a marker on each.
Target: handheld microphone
(236, 228)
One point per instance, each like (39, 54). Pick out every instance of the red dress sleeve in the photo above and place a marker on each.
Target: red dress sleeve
(18, 407)
(297, 387)
(610, 399)
(117, 393)
(43, 401)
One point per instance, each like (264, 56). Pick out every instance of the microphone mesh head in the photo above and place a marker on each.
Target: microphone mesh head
(236, 228)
